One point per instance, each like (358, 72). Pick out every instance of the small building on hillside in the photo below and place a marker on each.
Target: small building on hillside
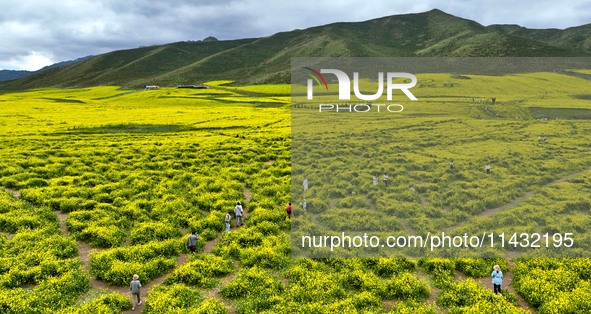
(152, 87)
(192, 86)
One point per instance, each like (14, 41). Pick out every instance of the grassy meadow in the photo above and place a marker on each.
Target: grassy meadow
(454, 119)
(102, 183)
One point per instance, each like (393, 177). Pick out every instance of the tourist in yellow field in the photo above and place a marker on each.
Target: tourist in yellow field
(227, 220)
(375, 179)
(497, 279)
(385, 178)
(452, 165)
(192, 242)
(305, 184)
(487, 168)
(134, 287)
(238, 212)
(289, 209)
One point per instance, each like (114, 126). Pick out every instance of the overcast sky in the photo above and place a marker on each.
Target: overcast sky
(36, 33)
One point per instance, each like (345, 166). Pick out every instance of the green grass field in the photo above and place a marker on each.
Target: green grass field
(102, 183)
(454, 119)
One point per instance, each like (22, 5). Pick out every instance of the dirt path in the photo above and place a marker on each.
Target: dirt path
(517, 201)
(61, 217)
(182, 259)
(247, 196)
(209, 245)
(507, 284)
(15, 193)
(405, 226)
(215, 292)
(434, 290)
(84, 251)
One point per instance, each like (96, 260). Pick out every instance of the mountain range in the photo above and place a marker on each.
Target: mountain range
(267, 59)
(7, 75)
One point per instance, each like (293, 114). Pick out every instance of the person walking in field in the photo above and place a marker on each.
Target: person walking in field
(134, 287)
(497, 279)
(487, 168)
(227, 220)
(238, 212)
(192, 242)
(305, 184)
(375, 179)
(451, 165)
(289, 210)
(385, 178)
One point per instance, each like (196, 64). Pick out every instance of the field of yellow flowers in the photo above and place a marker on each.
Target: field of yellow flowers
(102, 183)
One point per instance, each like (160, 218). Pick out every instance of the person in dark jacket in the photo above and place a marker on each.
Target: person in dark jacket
(134, 287)
(192, 242)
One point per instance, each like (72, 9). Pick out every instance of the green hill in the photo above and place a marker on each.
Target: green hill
(572, 38)
(267, 59)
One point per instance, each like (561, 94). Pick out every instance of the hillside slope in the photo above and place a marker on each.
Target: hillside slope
(267, 59)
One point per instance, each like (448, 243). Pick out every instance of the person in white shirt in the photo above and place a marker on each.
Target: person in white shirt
(238, 212)
(305, 184)
(385, 178)
(375, 179)
(487, 168)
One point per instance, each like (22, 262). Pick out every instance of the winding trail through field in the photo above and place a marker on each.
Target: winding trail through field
(247, 197)
(507, 284)
(85, 250)
(61, 217)
(182, 259)
(215, 292)
(516, 201)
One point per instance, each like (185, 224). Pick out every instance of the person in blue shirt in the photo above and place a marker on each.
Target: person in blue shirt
(497, 278)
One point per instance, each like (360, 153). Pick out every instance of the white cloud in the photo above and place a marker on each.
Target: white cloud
(30, 62)
(68, 29)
